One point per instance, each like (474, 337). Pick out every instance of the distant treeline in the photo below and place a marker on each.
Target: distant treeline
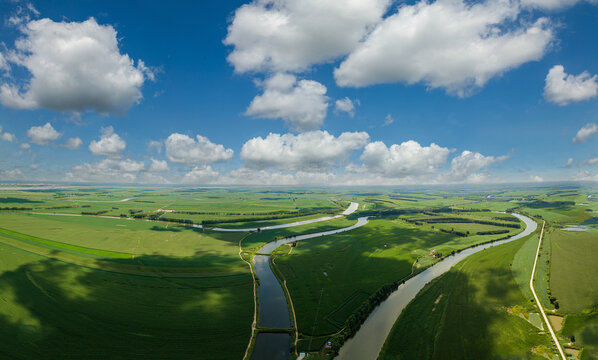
(263, 218)
(540, 204)
(492, 232)
(451, 220)
(94, 212)
(407, 211)
(458, 233)
(15, 208)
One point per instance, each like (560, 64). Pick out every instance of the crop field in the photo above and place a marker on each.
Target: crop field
(84, 267)
(81, 269)
(573, 263)
(330, 278)
(467, 311)
(51, 309)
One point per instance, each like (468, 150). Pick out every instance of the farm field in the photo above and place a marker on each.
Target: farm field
(150, 289)
(127, 264)
(330, 278)
(51, 309)
(472, 309)
(573, 261)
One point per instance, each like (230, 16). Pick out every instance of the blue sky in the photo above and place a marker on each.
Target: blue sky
(442, 91)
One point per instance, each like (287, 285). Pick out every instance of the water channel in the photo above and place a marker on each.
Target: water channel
(368, 341)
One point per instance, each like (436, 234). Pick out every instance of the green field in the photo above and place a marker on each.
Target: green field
(131, 271)
(573, 281)
(70, 285)
(52, 309)
(469, 313)
(333, 276)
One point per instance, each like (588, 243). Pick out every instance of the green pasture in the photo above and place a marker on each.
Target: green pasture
(574, 270)
(54, 310)
(466, 314)
(332, 276)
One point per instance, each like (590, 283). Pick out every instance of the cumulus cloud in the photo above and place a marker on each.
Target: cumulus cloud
(25, 146)
(569, 163)
(562, 88)
(406, 160)
(312, 151)
(537, 179)
(110, 144)
(201, 175)
(74, 66)
(584, 133)
(43, 135)
(158, 166)
(450, 44)
(73, 143)
(182, 149)
(7, 136)
(154, 145)
(345, 105)
(291, 35)
(107, 170)
(301, 104)
(466, 166)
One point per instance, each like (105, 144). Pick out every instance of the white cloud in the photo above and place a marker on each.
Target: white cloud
(110, 144)
(301, 104)
(4, 66)
(154, 145)
(74, 66)
(201, 175)
(407, 160)
(7, 136)
(584, 133)
(388, 120)
(562, 88)
(13, 174)
(22, 14)
(73, 143)
(552, 4)
(451, 44)
(25, 146)
(291, 35)
(107, 170)
(345, 105)
(537, 178)
(569, 163)
(158, 166)
(182, 149)
(43, 135)
(592, 161)
(466, 166)
(309, 151)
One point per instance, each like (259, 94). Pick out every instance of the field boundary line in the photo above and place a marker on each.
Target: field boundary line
(531, 286)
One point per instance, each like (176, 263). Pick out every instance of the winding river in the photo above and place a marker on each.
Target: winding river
(368, 341)
(274, 311)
